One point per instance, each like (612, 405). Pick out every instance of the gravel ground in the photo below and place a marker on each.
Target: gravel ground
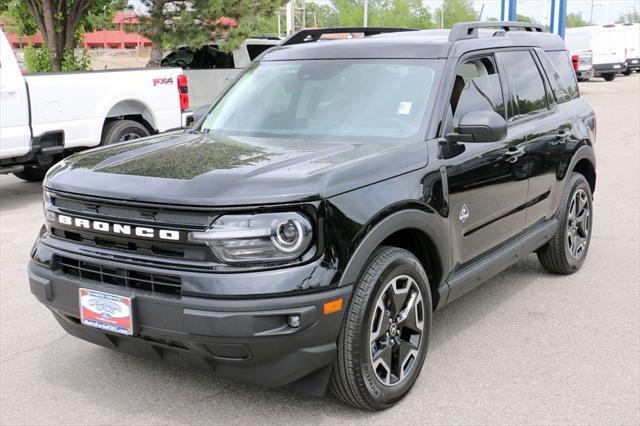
(525, 348)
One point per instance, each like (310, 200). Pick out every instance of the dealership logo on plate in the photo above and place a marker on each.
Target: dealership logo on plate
(106, 311)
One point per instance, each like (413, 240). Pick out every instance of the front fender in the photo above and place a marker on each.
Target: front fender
(400, 220)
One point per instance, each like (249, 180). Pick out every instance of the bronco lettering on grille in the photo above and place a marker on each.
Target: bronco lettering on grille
(117, 228)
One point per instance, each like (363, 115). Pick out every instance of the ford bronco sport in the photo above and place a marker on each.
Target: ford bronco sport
(339, 192)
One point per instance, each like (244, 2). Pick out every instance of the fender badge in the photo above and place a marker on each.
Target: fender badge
(464, 213)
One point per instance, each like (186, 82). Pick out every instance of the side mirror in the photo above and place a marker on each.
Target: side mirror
(480, 126)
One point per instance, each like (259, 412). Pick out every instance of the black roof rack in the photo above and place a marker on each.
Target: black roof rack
(314, 34)
(468, 30)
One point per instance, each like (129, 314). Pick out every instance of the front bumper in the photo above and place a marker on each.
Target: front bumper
(248, 340)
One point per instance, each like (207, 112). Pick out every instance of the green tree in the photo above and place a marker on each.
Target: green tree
(524, 18)
(61, 22)
(455, 11)
(325, 15)
(629, 17)
(382, 13)
(172, 23)
(574, 20)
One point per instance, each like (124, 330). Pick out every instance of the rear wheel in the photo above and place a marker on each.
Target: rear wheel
(33, 173)
(609, 76)
(568, 248)
(627, 72)
(122, 131)
(384, 339)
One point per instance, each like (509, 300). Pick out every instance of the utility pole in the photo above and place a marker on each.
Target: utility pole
(366, 14)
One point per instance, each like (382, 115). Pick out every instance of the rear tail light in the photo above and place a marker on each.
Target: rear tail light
(574, 61)
(183, 92)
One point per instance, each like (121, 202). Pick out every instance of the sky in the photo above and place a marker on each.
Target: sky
(604, 11)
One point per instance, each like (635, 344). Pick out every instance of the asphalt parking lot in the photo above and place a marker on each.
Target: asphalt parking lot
(525, 348)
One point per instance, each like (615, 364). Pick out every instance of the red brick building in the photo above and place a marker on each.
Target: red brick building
(121, 35)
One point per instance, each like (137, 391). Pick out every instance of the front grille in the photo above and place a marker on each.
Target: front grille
(153, 216)
(156, 283)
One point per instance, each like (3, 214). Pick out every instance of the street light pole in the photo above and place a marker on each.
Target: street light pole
(366, 13)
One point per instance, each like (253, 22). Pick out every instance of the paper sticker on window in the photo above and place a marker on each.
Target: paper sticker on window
(404, 108)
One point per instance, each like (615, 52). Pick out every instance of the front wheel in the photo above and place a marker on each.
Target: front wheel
(384, 340)
(609, 76)
(568, 248)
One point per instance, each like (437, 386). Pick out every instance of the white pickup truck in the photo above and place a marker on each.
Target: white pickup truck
(44, 117)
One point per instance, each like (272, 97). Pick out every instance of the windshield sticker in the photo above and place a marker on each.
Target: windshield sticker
(404, 108)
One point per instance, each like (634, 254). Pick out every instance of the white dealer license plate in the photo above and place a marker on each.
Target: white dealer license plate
(106, 311)
(617, 66)
(634, 61)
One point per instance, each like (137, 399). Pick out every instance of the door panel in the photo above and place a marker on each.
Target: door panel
(487, 192)
(14, 106)
(544, 151)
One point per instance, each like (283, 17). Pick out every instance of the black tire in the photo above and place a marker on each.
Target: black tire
(122, 131)
(557, 255)
(609, 76)
(33, 173)
(627, 72)
(353, 378)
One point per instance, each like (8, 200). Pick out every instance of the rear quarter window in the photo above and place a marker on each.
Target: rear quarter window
(557, 66)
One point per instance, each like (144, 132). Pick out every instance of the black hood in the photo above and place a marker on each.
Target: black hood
(202, 169)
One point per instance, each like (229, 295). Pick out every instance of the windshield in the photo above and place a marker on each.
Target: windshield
(352, 99)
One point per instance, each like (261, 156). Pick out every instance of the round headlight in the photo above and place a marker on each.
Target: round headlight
(258, 238)
(288, 236)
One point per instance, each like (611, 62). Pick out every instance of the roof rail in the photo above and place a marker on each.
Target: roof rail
(314, 34)
(468, 30)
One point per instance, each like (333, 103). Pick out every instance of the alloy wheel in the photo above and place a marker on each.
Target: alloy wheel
(578, 224)
(396, 330)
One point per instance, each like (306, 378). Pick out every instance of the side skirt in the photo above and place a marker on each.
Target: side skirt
(465, 280)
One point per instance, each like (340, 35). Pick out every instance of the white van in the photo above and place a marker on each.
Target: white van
(632, 46)
(606, 44)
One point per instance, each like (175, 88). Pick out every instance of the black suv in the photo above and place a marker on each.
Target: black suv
(303, 232)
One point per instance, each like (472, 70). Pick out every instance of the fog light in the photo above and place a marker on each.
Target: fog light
(294, 321)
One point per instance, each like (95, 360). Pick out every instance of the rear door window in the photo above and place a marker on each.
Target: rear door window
(558, 68)
(210, 57)
(254, 50)
(527, 86)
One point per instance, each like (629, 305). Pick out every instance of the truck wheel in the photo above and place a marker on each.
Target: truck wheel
(609, 76)
(385, 335)
(627, 72)
(33, 173)
(568, 248)
(122, 131)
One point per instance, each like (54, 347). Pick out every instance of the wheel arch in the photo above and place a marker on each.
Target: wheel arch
(415, 231)
(584, 162)
(132, 109)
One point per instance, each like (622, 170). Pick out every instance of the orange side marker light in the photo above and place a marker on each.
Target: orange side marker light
(333, 306)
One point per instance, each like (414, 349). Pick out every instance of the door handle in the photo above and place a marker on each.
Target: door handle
(560, 138)
(512, 155)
